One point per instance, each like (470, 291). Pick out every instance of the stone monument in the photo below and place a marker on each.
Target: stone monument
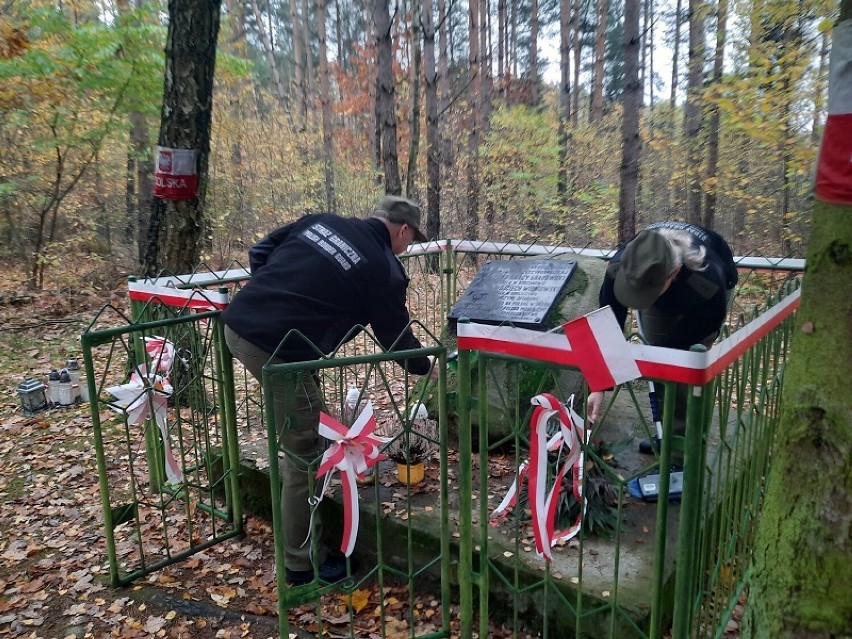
(539, 293)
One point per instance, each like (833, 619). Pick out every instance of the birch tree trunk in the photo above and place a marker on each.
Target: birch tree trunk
(178, 227)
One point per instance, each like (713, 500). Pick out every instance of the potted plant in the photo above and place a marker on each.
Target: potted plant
(410, 448)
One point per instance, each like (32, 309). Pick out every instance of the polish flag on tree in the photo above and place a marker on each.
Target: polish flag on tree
(834, 167)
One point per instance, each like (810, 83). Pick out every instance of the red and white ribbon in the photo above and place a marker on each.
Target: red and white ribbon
(594, 343)
(511, 496)
(147, 395)
(353, 452)
(571, 436)
(653, 362)
(195, 298)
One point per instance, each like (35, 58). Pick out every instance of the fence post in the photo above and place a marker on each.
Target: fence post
(690, 509)
(465, 566)
(657, 587)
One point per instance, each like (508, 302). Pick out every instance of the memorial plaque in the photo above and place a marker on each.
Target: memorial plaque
(520, 292)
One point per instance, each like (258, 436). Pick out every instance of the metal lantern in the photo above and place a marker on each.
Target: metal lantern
(33, 397)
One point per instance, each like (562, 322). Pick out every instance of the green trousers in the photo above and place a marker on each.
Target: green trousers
(296, 423)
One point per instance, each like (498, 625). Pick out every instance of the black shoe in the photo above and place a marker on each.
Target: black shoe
(649, 446)
(332, 570)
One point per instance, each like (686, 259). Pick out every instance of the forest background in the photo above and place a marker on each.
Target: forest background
(320, 105)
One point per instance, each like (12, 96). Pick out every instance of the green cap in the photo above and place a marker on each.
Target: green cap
(645, 266)
(399, 210)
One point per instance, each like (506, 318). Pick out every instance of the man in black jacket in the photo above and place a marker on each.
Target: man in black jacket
(680, 278)
(313, 282)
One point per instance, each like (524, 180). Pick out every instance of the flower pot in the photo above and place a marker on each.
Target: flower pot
(410, 473)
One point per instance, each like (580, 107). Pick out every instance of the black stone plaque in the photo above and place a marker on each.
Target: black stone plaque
(520, 292)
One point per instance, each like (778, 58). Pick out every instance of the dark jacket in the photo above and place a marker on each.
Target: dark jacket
(697, 301)
(323, 275)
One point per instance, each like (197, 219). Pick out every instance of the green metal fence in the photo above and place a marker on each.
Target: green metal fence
(167, 455)
(636, 569)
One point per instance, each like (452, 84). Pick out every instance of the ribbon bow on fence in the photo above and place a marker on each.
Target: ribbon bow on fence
(148, 392)
(353, 452)
(571, 435)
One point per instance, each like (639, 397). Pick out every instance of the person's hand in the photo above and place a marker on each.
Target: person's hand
(594, 406)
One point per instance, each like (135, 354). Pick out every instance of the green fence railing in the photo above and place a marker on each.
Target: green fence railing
(167, 449)
(636, 568)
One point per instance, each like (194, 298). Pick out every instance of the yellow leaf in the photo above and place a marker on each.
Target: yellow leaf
(358, 600)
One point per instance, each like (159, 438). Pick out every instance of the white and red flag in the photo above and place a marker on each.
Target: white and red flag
(834, 165)
(594, 343)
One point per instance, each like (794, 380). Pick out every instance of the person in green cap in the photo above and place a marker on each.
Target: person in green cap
(312, 282)
(680, 278)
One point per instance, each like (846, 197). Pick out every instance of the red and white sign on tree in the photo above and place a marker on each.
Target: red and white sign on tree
(834, 167)
(176, 174)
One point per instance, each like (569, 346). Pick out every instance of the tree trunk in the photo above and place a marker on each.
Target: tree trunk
(298, 63)
(386, 99)
(631, 142)
(309, 64)
(692, 118)
(325, 99)
(139, 163)
(534, 53)
(178, 227)
(801, 587)
(675, 53)
(485, 67)
(714, 122)
(600, 41)
(446, 155)
(414, 117)
(269, 54)
(433, 138)
(577, 46)
(565, 24)
(501, 47)
(472, 229)
(140, 140)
